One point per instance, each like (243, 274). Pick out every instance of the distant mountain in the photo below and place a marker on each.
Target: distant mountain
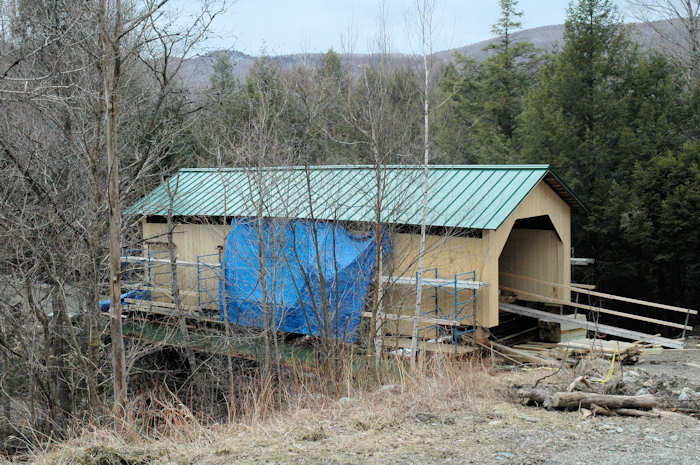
(197, 70)
(544, 38)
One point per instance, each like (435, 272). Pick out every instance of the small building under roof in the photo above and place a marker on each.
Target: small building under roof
(482, 219)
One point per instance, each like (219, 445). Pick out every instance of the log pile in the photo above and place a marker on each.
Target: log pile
(591, 402)
(594, 390)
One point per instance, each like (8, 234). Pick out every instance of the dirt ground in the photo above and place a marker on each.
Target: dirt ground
(506, 433)
(683, 363)
(495, 431)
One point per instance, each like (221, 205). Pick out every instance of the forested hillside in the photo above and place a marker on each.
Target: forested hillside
(94, 116)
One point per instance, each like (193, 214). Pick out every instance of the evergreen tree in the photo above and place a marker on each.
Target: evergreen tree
(223, 80)
(480, 121)
(571, 118)
(611, 121)
(224, 112)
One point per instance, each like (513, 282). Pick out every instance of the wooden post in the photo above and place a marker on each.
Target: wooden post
(227, 326)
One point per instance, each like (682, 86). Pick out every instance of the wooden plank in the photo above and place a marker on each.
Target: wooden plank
(162, 304)
(156, 310)
(589, 325)
(584, 286)
(165, 262)
(152, 306)
(163, 290)
(421, 319)
(436, 282)
(600, 309)
(581, 290)
(599, 345)
(522, 354)
(582, 261)
(405, 342)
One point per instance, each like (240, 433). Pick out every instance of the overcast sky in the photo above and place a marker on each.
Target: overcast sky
(304, 26)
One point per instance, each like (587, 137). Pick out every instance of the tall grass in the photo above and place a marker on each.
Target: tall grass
(162, 419)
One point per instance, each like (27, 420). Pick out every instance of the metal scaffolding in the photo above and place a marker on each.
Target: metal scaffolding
(463, 287)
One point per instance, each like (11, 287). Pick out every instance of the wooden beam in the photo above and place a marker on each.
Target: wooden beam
(436, 282)
(405, 342)
(164, 311)
(603, 295)
(420, 319)
(584, 286)
(168, 305)
(599, 309)
(524, 355)
(164, 290)
(589, 325)
(165, 262)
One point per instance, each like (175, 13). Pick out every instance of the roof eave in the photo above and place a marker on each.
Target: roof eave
(565, 192)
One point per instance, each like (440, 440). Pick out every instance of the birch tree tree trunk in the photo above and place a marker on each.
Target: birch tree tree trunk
(425, 11)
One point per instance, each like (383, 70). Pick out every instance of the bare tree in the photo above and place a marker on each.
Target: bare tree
(380, 109)
(69, 78)
(124, 29)
(677, 23)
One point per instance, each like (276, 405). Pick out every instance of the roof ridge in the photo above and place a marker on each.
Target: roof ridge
(393, 167)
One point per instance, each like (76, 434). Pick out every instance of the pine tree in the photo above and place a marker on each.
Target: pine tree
(613, 123)
(223, 80)
(480, 121)
(567, 118)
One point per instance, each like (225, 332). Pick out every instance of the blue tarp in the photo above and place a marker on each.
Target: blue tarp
(293, 282)
(136, 294)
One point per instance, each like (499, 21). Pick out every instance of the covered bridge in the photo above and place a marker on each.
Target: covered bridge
(482, 221)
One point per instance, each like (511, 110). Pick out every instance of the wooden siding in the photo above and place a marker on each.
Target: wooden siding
(541, 201)
(191, 241)
(536, 253)
(450, 255)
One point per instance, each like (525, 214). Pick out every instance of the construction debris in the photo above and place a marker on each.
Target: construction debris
(571, 351)
(602, 386)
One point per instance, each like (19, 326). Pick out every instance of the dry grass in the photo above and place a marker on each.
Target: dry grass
(282, 422)
(450, 412)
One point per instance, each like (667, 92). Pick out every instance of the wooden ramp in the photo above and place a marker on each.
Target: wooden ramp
(589, 325)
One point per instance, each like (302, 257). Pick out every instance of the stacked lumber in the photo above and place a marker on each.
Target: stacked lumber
(627, 351)
(553, 331)
(546, 350)
(518, 355)
(570, 351)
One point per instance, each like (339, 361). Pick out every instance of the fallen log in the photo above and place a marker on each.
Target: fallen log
(598, 410)
(573, 400)
(630, 412)
(537, 396)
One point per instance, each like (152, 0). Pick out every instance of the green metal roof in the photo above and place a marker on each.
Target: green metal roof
(463, 196)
